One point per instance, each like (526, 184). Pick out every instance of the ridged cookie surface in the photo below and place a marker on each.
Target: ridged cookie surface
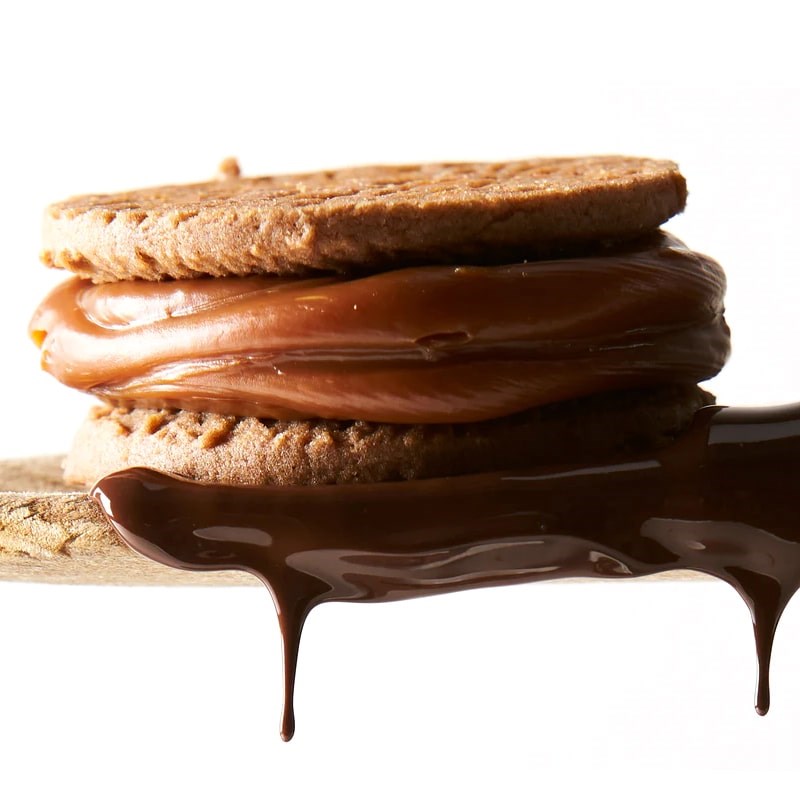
(246, 450)
(366, 218)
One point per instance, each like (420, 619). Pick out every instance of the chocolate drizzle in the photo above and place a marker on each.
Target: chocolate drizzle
(720, 500)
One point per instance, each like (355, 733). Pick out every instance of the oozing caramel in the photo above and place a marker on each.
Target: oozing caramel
(424, 344)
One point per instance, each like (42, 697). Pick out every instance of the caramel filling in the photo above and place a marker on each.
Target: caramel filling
(425, 344)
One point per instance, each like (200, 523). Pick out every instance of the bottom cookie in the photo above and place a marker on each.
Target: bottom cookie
(246, 450)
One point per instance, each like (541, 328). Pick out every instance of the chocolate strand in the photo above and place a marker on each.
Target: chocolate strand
(292, 608)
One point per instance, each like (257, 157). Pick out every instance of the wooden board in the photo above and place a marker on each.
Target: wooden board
(53, 533)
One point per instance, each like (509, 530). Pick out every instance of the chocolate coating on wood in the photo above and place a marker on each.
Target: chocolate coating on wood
(720, 500)
(52, 533)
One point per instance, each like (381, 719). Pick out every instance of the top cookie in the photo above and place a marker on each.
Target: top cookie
(365, 218)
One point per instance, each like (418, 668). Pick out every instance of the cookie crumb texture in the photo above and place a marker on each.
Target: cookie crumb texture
(361, 219)
(246, 450)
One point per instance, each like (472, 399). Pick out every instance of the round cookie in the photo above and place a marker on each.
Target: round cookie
(368, 218)
(246, 450)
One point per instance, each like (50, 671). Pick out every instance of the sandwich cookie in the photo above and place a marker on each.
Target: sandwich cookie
(384, 382)
(392, 339)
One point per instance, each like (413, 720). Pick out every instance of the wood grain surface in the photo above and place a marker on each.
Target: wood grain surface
(53, 533)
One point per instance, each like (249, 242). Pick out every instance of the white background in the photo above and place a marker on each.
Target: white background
(544, 689)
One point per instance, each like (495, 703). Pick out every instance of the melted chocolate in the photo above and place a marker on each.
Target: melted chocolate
(720, 500)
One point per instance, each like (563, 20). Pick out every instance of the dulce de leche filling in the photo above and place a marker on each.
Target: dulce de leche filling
(422, 344)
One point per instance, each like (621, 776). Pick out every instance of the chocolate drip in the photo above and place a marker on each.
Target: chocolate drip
(719, 500)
